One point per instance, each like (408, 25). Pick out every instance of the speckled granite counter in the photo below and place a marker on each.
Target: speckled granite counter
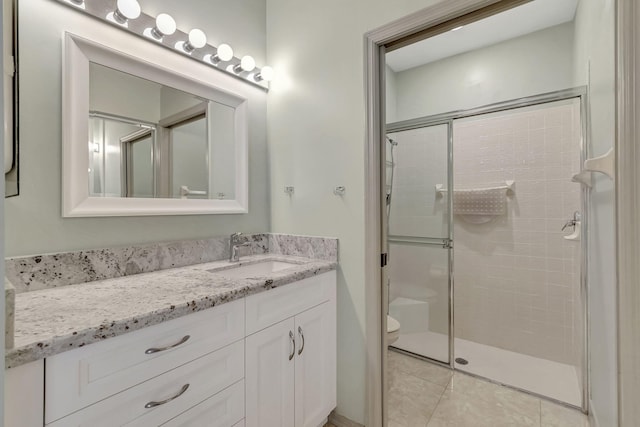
(54, 320)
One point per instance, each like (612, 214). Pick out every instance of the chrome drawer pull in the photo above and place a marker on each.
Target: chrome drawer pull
(293, 345)
(301, 336)
(162, 402)
(157, 350)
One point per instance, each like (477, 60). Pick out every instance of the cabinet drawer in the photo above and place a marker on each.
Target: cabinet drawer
(225, 409)
(268, 308)
(205, 377)
(78, 378)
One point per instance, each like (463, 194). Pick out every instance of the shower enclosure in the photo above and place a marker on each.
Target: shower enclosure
(486, 243)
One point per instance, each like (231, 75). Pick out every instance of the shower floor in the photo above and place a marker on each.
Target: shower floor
(544, 377)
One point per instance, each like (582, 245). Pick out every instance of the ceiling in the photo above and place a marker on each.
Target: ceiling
(528, 18)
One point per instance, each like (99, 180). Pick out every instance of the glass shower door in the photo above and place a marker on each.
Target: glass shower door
(418, 176)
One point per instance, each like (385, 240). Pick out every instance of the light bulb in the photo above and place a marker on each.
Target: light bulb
(125, 10)
(247, 63)
(225, 53)
(197, 38)
(266, 74)
(165, 26)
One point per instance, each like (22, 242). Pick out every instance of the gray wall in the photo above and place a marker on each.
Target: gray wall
(34, 223)
(316, 142)
(391, 96)
(528, 65)
(122, 94)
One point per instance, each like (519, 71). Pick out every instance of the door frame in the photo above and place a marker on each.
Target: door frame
(627, 82)
(438, 17)
(627, 205)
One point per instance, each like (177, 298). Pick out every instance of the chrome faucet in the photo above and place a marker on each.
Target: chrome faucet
(574, 221)
(234, 245)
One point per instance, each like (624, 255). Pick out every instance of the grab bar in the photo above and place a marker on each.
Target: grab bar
(184, 192)
(510, 186)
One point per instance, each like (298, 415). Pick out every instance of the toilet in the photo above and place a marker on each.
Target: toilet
(393, 330)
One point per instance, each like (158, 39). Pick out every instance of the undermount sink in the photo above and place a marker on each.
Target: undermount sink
(259, 269)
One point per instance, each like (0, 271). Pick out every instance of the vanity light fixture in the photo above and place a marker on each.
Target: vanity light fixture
(197, 40)
(266, 74)
(247, 63)
(163, 30)
(224, 53)
(125, 10)
(165, 26)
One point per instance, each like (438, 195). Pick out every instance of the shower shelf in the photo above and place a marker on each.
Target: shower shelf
(604, 164)
(510, 186)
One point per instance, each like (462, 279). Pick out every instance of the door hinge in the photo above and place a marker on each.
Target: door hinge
(384, 258)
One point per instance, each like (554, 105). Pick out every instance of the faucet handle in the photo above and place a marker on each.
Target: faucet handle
(570, 223)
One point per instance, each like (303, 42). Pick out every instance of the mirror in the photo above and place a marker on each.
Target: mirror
(159, 142)
(151, 140)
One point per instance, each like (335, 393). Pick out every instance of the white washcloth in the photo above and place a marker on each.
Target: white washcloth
(488, 201)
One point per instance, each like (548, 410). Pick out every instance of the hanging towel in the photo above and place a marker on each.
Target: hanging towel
(482, 202)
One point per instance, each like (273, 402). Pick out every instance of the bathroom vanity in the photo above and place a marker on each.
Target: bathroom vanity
(251, 343)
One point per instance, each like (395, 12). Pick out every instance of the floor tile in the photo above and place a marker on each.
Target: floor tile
(470, 402)
(424, 394)
(559, 416)
(419, 368)
(482, 389)
(412, 400)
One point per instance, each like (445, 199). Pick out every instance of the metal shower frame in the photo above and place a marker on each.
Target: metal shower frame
(581, 93)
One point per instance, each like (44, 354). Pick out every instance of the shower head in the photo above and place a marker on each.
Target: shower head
(391, 141)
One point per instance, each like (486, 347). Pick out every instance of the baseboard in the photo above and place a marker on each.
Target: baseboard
(341, 421)
(593, 418)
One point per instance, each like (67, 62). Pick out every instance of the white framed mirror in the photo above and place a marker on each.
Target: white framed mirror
(143, 139)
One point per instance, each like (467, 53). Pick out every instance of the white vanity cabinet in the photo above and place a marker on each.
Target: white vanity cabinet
(265, 360)
(290, 371)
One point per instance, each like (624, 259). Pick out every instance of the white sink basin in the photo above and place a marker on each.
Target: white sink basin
(259, 269)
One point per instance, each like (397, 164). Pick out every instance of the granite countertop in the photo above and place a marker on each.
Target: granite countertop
(51, 321)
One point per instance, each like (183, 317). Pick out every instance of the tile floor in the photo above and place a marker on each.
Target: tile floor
(544, 377)
(426, 395)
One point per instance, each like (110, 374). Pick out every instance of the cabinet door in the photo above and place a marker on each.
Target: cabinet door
(315, 364)
(269, 376)
(24, 395)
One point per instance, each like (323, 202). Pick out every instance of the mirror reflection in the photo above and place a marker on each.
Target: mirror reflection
(150, 140)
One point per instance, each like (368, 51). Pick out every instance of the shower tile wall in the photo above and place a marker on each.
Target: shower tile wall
(516, 278)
